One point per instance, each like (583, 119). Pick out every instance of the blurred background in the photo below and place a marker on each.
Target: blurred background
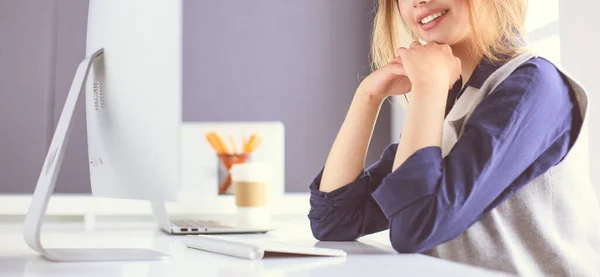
(298, 62)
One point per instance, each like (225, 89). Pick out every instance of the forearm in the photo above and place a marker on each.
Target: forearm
(345, 223)
(347, 156)
(424, 122)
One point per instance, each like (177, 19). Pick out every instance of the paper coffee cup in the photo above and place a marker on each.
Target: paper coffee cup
(251, 183)
(253, 217)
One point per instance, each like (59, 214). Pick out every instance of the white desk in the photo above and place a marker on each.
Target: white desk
(371, 256)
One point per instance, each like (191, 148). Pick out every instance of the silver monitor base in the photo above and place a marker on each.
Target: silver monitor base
(101, 254)
(46, 182)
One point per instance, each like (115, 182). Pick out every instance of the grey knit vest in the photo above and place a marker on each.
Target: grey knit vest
(551, 226)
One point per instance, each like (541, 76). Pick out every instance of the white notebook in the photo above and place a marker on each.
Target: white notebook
(253, 249)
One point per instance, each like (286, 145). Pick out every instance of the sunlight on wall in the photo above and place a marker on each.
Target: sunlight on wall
(542, 29)
(541, 13)
(548, 48)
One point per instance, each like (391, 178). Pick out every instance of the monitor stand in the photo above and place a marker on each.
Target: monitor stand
(45, 187)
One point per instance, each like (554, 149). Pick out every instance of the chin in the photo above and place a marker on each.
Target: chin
(442, 39)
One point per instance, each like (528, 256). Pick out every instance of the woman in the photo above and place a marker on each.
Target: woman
(491, 168)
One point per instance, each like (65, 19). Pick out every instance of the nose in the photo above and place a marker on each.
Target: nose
(417, 3)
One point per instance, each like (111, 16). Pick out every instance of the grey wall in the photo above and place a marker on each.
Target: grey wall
(70, 50)
(293, 61)
(42, 43)
(27, 46)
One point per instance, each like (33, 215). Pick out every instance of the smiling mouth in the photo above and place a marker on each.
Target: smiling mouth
(432, 17)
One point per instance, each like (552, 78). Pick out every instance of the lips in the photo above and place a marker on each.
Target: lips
(430, 19)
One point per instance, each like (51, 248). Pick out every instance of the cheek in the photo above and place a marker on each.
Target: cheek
(406, 16)
(463, 19)
(465, 25)
(410, 25)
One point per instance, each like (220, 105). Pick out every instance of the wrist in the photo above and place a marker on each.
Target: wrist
(430, 94)
(431, 87)
(433, 84)
(367, 98)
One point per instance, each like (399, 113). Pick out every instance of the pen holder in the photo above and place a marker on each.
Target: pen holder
(226, 161)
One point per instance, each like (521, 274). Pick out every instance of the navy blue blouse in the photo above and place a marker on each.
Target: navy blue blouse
(524, 127)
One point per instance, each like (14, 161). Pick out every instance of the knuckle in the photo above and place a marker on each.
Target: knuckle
(401, 51)
(389, 66)
(393, 66)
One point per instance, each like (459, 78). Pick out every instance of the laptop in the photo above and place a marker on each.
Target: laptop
(199, 171)
(190, 226)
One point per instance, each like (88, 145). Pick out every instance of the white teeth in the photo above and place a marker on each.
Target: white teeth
(432, 17)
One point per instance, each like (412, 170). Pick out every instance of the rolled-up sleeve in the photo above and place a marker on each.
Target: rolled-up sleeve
(523, 128)
(350, 211)
(519, 131)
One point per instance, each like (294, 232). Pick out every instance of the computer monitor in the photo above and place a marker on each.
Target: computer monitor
(132, 82)
(134, 106)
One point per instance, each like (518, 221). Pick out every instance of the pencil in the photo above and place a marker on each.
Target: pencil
(233, 144)
(212, 142)
(250, 141)
(244, 144)
(221, 143)
(255, 144)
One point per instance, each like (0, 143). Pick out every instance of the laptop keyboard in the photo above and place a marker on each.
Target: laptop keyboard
(199, 224)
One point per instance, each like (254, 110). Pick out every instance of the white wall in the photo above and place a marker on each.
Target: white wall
(580, 55)
(541, 25)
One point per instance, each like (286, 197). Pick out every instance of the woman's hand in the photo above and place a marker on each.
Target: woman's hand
(388, 80)
(431, 65)
(432, 70)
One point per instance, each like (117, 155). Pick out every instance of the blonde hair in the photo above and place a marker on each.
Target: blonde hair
(497, 30)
